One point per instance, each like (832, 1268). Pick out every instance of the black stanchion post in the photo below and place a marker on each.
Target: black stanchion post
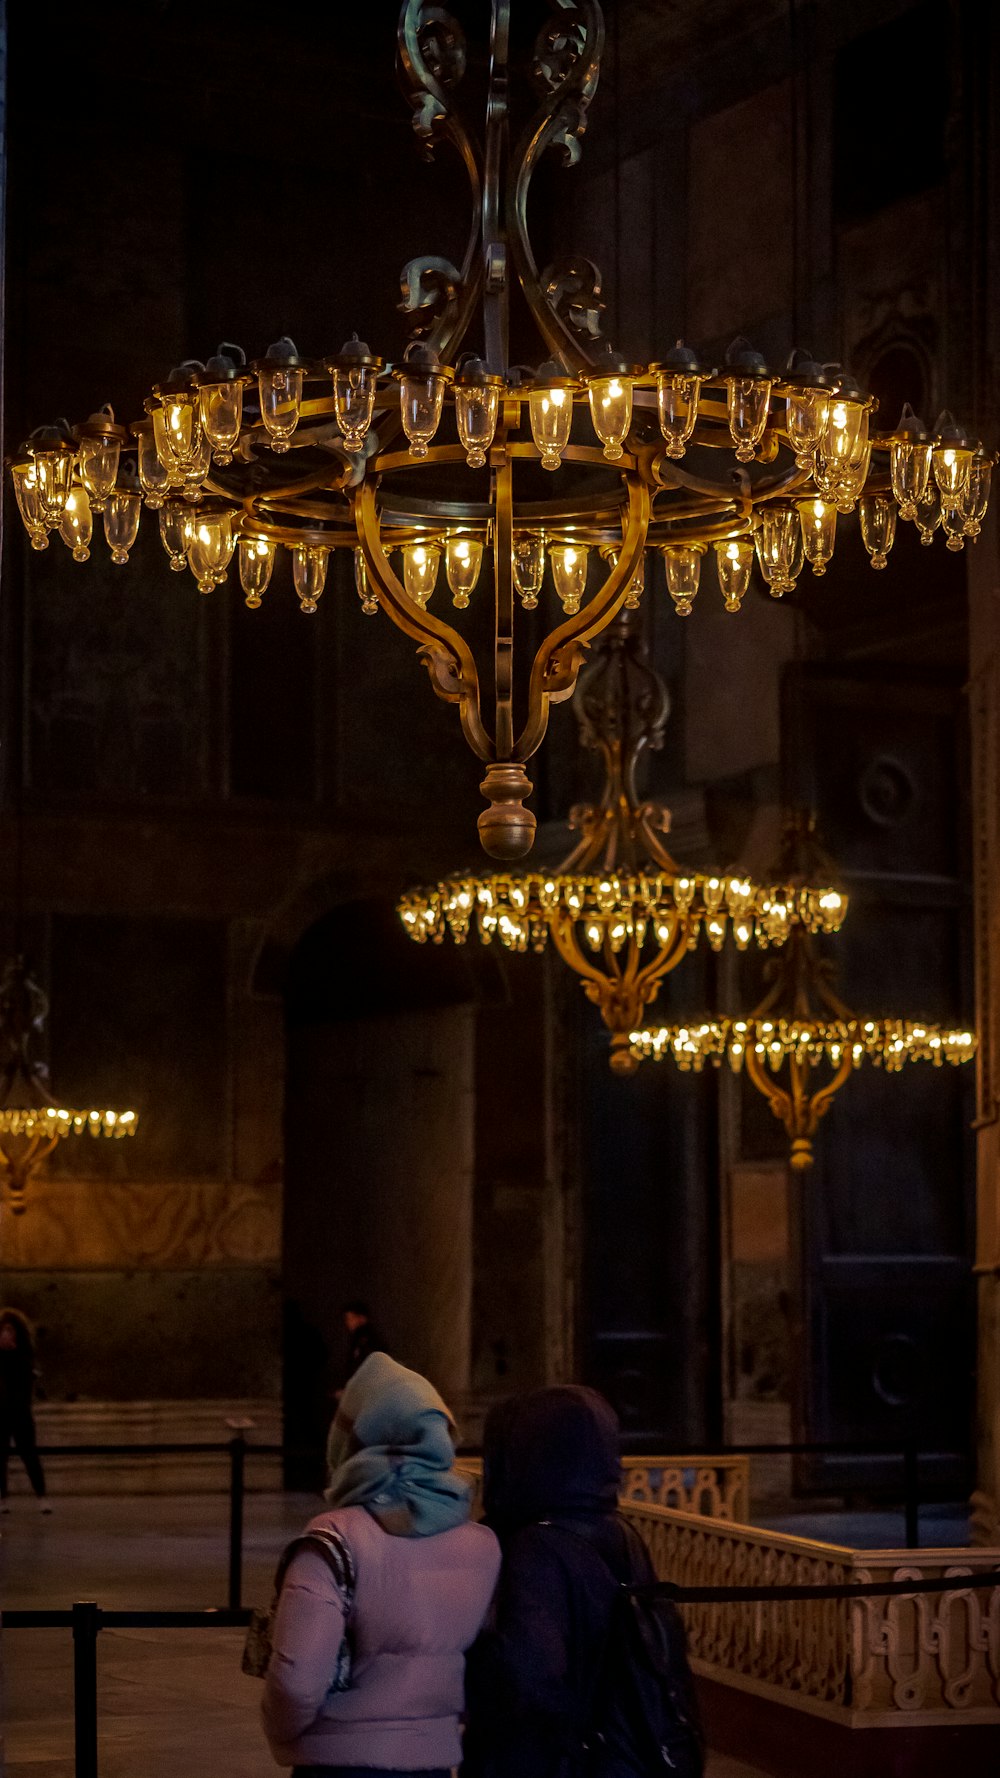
(237, 1468)
(911, 1491)
(86, 1623)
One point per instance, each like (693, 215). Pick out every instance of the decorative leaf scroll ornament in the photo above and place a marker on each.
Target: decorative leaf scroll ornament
(452, 476)
(618, 909)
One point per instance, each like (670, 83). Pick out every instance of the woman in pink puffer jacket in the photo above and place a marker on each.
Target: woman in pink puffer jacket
(424, 1579)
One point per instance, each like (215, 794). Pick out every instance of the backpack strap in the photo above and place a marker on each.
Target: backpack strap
(331, 1544)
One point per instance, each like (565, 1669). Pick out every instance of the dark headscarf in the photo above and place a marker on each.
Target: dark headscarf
(552, 1454)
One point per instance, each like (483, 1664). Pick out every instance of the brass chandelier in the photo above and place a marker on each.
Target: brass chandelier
(557, 485)
(800, 1045)
(618, 909)
(32, 1122)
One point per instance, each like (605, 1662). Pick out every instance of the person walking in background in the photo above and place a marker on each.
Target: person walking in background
(17, 1389)
(369, 1677)
(541, 1673)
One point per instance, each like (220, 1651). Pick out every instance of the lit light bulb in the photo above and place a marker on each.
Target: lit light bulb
(99, 443)
(951, 456)
(421, 395)
(477, 407)
(29, 503)
(636, 586)
(844, 434)
(54, 459)
(176, 531)
(529, 566)
(678, 385)
(279, 387)
(568, 562)
(197, 470)
(928, 516)
(550, 410)
(309, 565)
(355, 383)
(121, 522)
(806, 413)
(420, 570)
(256, 562)
(878, 527)
(748, 398)
(818, 519)
(683, 566)
(463, 557)
(176, 426)
(77, 526)
(610, 398)
(734, 563)
(210, 548)
(780, 549)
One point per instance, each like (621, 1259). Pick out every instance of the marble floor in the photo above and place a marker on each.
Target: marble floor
(172, 1703)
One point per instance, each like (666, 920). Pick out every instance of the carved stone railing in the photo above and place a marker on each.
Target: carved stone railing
(714, 1487)
(933, 1658)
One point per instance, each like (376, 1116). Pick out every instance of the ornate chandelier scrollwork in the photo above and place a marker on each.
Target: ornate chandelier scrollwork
(618, 909)
(801, 1043)
(554, 485)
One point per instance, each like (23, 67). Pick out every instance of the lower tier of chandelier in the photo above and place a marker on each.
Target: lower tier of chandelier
(887, 1042)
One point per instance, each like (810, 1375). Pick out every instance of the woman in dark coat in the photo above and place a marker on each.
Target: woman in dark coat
(17, 1388)
(550, 1491)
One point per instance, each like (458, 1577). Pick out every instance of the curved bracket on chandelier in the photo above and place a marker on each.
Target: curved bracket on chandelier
(618, 982)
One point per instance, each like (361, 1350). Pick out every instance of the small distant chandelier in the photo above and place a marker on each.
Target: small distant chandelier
(565, 480)
(801, 1044)
(32, 1123)
(618, 909)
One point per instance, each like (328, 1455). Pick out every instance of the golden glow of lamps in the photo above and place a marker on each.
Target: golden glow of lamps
(349, 451)
(618, 910)
(32, 1122)
(800, 1045)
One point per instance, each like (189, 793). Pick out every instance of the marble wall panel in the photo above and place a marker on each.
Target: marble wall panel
(740, 215)
(165, 1223)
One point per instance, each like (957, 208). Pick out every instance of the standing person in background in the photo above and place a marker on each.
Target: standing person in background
(369, 1680)
(17, 1389)
(363, 1337)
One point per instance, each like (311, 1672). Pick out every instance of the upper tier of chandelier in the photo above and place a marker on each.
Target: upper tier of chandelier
(555, 487)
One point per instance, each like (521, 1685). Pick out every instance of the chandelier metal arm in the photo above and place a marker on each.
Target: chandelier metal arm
(503, 651)
(444, 653)
(559, 658)
(577, 36)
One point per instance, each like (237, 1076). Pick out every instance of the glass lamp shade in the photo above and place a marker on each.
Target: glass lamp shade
(177, 432)
(154, 480)
(121, 523)
(748, 401)
(611, 412)
(176, 531)
(550, 410)
(677, 405)
(97, 461)
(256, 561)
(953, 526)
(976, 497)
(929, 514)
(463, 558)
(220, 410)
(529, 566)
(568, 562)
(280, 389)
(29, 503)
(77, 526)
(683, 566)
(909, 470)
(197, 470)
(636, 586)
(54, 478)
(309, 565)
(844, 433)
(806, 413)
(779, 547)
(421, 398)
(877, 513)
(818, 519)
(369, 603)
(354, 390)
(210, 549)
(477, 407)
(420, 570)
(952, 467)
(734, 563)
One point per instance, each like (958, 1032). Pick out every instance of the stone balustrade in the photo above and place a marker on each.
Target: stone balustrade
(717, 1487)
